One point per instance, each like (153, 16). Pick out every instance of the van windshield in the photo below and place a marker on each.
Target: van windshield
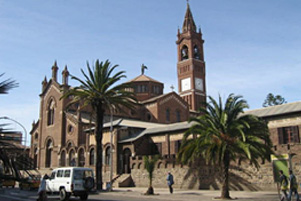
(81, 174)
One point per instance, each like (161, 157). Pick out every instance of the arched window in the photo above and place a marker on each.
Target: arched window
(196, 52)
(167, 112)
(72, 161)
(49, 147)
(70, 145)
(92, 157)
(107, 156)
(134, 165)
(36, 136)
(35, 159)
(50, 113)
(159, 165)
(178, 115)
(63, 159)
(184, 52)
(81, 158)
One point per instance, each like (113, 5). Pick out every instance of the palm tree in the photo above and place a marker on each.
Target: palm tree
(12, 157)
(149, 163)
(223, 134)
(100, 91)
(7, 85)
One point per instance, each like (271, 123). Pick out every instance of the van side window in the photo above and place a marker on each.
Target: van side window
(88, 173)
(52, 175)
(78, 174)
(60, 173)
(67, 173)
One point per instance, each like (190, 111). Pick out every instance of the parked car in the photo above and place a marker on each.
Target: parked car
(9, 183)
(76, 181)
(31, 182)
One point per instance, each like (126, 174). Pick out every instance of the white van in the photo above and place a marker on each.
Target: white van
(67, 181)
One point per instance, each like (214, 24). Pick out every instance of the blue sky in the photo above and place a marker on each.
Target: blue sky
(252, 47)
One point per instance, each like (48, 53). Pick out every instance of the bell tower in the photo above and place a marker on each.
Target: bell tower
(191, 64)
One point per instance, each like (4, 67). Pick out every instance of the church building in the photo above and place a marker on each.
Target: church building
(64, 136)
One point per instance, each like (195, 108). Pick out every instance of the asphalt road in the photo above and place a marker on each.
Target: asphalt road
(23, 195)
(136, 194)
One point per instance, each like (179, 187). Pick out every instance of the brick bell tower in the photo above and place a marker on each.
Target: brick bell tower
(191, 64)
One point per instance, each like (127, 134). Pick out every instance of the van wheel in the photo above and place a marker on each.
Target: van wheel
(84, 196)
(64, 195)
(88, 183)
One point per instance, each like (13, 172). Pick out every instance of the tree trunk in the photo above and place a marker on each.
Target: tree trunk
(150, 191)
(98, 138)
(225, 186)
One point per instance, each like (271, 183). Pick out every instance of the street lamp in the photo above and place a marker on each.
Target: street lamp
(111, 149)
(7, 118)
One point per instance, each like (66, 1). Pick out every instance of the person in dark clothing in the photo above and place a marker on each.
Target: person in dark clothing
(293, 186)
(170, 182)
(283, 185)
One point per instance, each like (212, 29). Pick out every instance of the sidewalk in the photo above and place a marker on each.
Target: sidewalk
(194, 195)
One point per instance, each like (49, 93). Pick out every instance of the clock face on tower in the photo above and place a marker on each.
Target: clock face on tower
(199, 84)
(185, 84)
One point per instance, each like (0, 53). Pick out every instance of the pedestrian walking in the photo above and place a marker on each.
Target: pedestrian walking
(293, 186)
(283, 185)
(170, 182)
(42, 189)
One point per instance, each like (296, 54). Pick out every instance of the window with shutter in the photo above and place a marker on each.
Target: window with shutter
(280, 135)
(295, 133)
(158, 148)
(288, 135)
(177, 146)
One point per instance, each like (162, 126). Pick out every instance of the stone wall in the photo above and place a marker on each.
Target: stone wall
(242, 177)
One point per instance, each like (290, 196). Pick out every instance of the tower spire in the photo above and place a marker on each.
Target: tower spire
(191, 66)
(54, 71)
(65, 74)
(188, 24)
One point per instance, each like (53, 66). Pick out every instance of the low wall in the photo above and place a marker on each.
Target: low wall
(243, 177)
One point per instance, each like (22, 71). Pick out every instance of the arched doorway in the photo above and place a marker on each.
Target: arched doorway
(72, 161)
(126, 161)
(49, 147)
(92, 157)
(35, 158)
(81, 158)
(63, 158)
(108, 156)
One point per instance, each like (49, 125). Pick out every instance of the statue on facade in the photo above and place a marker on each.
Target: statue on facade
(143, 67)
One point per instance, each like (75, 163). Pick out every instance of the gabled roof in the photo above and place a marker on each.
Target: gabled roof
(166, 128)
(143, 78)
(35, 125)
(130, 123)
(276, 110)
(154, 99)
(133, 123)
(49, 84)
